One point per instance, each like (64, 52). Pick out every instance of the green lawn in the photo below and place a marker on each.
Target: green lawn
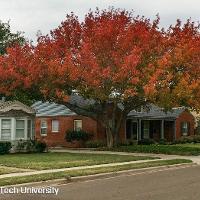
(178, 149)
(62, 160)
(84, 172)
(193, 145)
(9, 170)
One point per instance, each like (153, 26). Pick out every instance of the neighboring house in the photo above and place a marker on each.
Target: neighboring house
(54, 120)
(197, 122)
(16, 121)
(157, 124)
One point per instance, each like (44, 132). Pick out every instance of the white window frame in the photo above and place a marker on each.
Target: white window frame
(11, 128)
(46, 127)
(25, 132)
(78, 120)
(186, 127)
(31, 129)
(53, 126)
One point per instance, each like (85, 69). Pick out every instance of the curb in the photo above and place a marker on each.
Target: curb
(68, 180)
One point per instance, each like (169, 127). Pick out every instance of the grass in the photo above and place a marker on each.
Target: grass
(84, 172)
(9, 170)
(196, 145)
(62, 160)
(178, 149)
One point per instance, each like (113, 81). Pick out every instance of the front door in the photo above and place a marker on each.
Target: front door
(134, 130)
(131, 129)
(146, 129)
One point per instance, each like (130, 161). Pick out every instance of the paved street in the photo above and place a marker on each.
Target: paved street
(169, 184)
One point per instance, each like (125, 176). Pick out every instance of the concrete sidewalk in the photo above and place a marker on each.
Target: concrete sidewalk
(195, 159)
(75, 168)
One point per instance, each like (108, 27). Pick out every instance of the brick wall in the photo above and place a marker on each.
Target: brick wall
(185, 117)
(65, 123)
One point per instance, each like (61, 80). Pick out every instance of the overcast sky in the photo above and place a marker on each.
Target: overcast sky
(30, 16)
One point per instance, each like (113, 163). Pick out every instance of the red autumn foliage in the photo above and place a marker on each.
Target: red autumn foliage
(113, 58)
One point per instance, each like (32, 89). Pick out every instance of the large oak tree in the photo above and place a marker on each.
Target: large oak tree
(115, 60)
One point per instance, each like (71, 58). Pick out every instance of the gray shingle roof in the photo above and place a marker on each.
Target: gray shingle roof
(45, 109)
(155, 112)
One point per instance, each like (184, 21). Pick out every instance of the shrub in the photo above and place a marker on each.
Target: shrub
(146, 141)
(161, 149)
(188, 139)
(95, 144)
(40, 146)
(5, 147)
(77, 136)
(31, 146)
(129, 142)
(196, 138)
(23, 146)
(162, 141)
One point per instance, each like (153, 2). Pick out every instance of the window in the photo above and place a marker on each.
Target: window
(33, 129)
(77, 125)
(20, 127)
(146, 130)
(6, 129)
(29, 128)
(185, 128)
(43, 130)
(55, 125)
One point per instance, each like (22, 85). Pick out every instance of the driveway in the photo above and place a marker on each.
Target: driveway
(176, 183)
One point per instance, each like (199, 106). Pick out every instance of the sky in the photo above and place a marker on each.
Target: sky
(29, 16)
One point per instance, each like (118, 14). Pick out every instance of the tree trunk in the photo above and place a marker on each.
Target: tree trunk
(112, 137)
(112, 131)
(109, 138)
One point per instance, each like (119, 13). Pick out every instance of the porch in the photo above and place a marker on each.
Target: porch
(156, 129)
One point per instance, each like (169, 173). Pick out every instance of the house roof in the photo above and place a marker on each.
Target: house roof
(45, 109)
(6, 106)
(50, 109)
(155, 112)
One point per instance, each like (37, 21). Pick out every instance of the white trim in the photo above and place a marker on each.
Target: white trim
(25, 133)
(13, 127)
(43, 127)
(55, 131)
(16, 105)
(77, 120)
(31, 128)
(26, 129)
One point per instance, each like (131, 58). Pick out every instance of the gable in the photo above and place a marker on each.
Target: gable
(15, 106)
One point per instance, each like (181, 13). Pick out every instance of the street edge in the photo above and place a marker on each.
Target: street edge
(68, 180)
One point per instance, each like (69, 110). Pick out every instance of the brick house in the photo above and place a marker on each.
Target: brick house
(53, 120)
(157, 124)
(197, 122)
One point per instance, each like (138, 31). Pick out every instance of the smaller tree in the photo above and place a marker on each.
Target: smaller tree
(7, 38)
